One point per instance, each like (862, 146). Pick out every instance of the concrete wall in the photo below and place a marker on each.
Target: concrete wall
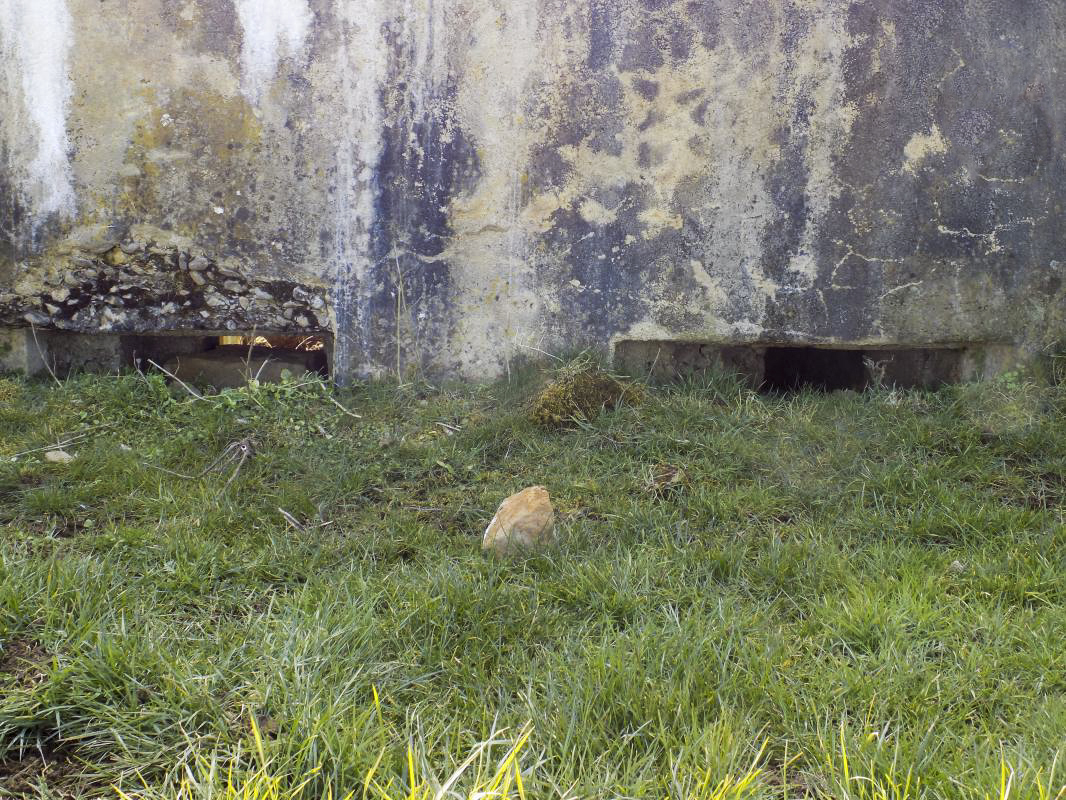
(451, 184)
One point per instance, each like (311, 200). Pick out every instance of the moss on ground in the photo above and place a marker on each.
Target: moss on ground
(9, 392)
(741, 580)
(579, 392)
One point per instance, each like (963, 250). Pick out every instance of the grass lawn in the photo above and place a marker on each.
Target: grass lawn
(841, 596)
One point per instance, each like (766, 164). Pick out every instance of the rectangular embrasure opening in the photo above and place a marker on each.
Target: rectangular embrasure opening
(777, 369)
(232, 360)
(793, 369)
(221, 361)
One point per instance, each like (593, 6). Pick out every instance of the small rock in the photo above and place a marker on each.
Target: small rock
(58, 457)
(199, 264)
(36, 318)
(183, 261)
(116, 257)
(93, 239)
(957, 566)
(197, 278)
(523, 521)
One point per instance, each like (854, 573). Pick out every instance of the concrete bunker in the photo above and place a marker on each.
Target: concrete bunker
(771, 176)
(782, 368)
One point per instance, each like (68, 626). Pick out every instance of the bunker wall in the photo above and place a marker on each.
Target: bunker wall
(448, 186)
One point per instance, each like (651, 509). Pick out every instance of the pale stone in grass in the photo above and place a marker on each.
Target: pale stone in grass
(58, 457)
(524, 521)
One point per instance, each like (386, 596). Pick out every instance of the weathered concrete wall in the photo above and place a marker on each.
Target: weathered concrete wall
(450, 184)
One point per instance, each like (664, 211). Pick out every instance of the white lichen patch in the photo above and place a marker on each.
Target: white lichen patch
(272, 30)
(656, 220)
(513, 54)
(819, 72)
(595, 213)
(36, 37)
(922, 146)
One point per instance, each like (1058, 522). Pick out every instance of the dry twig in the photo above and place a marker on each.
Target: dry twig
(184, 385)
(290, 519)
(342, 408)
(44, 359)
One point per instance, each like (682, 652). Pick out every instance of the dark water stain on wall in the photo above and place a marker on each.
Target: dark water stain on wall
(212, 28)
(593, 113)
(408, 297)
(604, 17)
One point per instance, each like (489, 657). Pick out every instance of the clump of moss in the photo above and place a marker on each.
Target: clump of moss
(10, 391)
(578, 392)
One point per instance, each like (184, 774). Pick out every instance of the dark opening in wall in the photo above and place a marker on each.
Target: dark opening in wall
(215, 355)
(791, 369)
(233, 360)
(221, 361)
(773, 368)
